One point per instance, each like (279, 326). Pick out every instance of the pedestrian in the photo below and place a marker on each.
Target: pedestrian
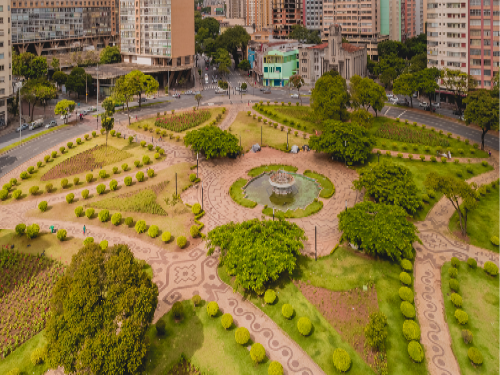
(489, 153)
(159, 139)
(84, 230)
(135, 117)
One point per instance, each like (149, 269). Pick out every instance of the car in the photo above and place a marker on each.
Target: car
(389, 96)
(51, 124)
(268, 91)
(22, 127)
(309, 92)
(206, 68)
(188, 92)
(220, 91)
(415, 95)
(36, 124)
(143, 100)
(264, 89)
(435, 104)
(197, 93)
(423, 104)
(178, 96)
(403, 101)
(92, 109)
(394, 100)
(294, 96)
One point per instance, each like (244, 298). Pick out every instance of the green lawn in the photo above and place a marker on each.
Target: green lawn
(327, 186)
(479, 293)
(203, 342)
(236, 192)
(20, 358)
(311, 208)
(271, 167)
(482, 223)
(34, 136)
(341, 271)
(300, 115)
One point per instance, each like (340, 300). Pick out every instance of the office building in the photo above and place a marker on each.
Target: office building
(311, 62)
(259, 14)
(312, 15)
(236, 9)
(286, 14)
(5, 59)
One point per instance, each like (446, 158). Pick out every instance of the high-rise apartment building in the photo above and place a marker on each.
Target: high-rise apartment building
(259, 14)
(484, 41)
(5, 59)
(157, 32)
(236, 9)
(286, 14)
(61, 26)
(312, 14)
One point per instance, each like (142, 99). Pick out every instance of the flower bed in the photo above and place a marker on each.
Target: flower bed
(183, 121)
(408, 135)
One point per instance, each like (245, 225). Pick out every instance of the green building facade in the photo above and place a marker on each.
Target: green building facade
(279, 66)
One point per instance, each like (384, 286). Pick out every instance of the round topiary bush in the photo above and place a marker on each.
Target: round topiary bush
(405, 278)
(406, 265)
(153, 231)
(226, 321)
(103, 216)
(32, 230)
(48, 187)
(20, 229)
(475, 356)
(30, 169)
(494, 240)
(461, 316)
(341, 360)
(101, 188)
(24, 175)
(467, 336)
(85, 194)
(42, 206)
(212, 309)
(16, 194)
(160, 327)
(70, 197)
(116, 219)
(4, 194)
(38, 355)
(408, 310)
(304, 326)
(242, 335)
(456, 299)
(89, 212)
(34, 190)
(151, 173)
(140, 226)
(472, 263)
(406, 294)
(196, 300)
(455, 262)
(145, 160)
(453, 272)
(129, 221)
(178, 310)
(194, 231)
(275, 368)
(128, 181)
(79, 211)
(89, 177)
(113, 184)
(269, 296)
(415, 351)
(257, 353)
(287, 311)
(76, 180)
(102, 173)
(196, 209)
(411, 330)
(88, 241)
(491, 268)
(64, 183)
(181, 241)
(454, 285)
(140, 176)
(103, 245)
(166, 236)
(61, 234)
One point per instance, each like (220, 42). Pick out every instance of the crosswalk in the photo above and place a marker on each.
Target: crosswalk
(213, 86)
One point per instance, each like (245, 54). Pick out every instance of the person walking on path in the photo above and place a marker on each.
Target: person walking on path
(84, 230)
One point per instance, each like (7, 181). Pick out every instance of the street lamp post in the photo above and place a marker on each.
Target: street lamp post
(97, 70)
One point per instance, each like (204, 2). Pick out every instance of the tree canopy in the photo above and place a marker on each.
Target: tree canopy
(100, 311)
(330, 98)
(459, 83)
(28, 65)
(366, 93)
(224, 60)
(234, 39)
(405, 84)
(59, 77)
(37, 90)
(257, 252)
(348, 142)
(304, 35)
(212, 142)
(379, 230)
(136, 82)
(390, 183)
(297, 82)
(244, 65)
(482, 110)
(64, 107)
(78, 81)
(426, 81)
(110, 55)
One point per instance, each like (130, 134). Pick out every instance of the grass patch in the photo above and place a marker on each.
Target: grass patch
(312, 208)
(479, 293)
(34, 136)
(254, 172)
(21, 357)
(236, 193)
(303, 117)
(482, 223)
(196, 337)
(341, 271)
(327, 186)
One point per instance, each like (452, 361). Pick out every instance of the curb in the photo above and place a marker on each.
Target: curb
(28, 142)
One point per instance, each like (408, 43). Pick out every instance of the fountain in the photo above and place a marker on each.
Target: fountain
(282, 183)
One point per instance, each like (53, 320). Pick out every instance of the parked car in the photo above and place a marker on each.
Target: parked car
(197, 93)
(220, 91)
(178, 96)
(51, 124)
(143, 100)
(85, 112)
(264, 89)
(415, 95)
(294, 96)
(389, 96)
(423, 104)
(22, 127)
(36, 124)
(402, 101)
(394, 100)
(188, 92)
(435, 104)
(268, 91)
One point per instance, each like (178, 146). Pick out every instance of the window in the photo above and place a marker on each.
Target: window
(475, 3)
(1, 56)
(487, 62)
(487, 83)
(475, 52)
(475, 62)
(487, 72)
(475, 42)
(2, 91)
(475, 72)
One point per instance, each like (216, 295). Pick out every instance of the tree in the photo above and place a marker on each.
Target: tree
(44, 92)
(244, 65)
(456, 191)
(244, 86)
(361, 117)
(257, 252)
(376, 330)
(223, 84)
(78, 81)
(37, 89)
(391, 48)
(388, 76)
(234, 39)
(28, 65)
(304, 35)
(59, 78)
(13, 104)
(330, 98)
(211, 24)
(212, 142)
(333, 73)
(426, 81)
(124, 92)
(418, 62)
(390, 183)
(379, 230)
(482, 110)
(108, 121)
(110, 55)
(198, 99)
(391, 61)
(224, 60)
(344, 141)
(64, 107)
(459, 83)
(55, 64)
(366, 93)
(405, 84)
(199, 38)
(139, 82)
(297, 82)
(101, 310)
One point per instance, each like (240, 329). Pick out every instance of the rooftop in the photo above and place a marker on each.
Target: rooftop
(320, 46)
(351, 47)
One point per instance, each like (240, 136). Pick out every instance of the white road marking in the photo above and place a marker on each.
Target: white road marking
(401, 114)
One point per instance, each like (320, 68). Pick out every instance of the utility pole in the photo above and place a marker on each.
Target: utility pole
(20, 118)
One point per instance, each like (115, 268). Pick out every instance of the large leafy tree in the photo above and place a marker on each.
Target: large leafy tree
(29, 65)
(78, 81)
(234, 39)
(461, 194)
(405, 84)
(348, 142)
(391, 47)
(211, 24)
(244, 65)
(35, 90)
(100, 312)
(212, 142)
(379, 230)
(304, 35)
(257, 252)
(459, 83)
(108, 121)
(391, 184)
(64, 107)
(418, 62)
(44, 92)
(139, 82)
(330, 98)
(391, 61)
(367, 94)
(55, 64)
(426, 81)
(297, 82)
(482, 110)
(124, 91)
(110, 55)
(59, 78)
(224, 60)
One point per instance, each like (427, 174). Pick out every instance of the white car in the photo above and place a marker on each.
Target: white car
(51, 124)
(294, 96)
(423, 104)
(435, 105)
(394, 99)
(389, 96)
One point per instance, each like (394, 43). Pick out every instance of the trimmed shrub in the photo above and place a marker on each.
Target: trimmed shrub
(411, 330)
(88, 241)
(17, 194)
(275, 368)
(42, 206)
(495, 240)
(212, 309)
(101, 188)
(269, 296)
(24, 175)
(304, 326)
(257, 353)
(53, 154)
(85, 194)
(241, 335)
(153, 231)
(491, 268)
(89, 177)
(4, 194)
(129, 221)
(31, 169)
(408, 310)
(103, 215)
(128, 181)
(415, 351)
(13, 182)
(140, 226)
(341, 360)
(150, 147)
(455, 262)
(140, 176)
(38, 355)
(64, 183)
(196, 209)
(137, 163)
(406, 294)
(61, 149)
(102, 173)
(48, 187)
(226, 321)
(89, 212)
(165, 236)
(46, 158)
(453, 272)
(34, 190)
(61, 234)
(78, 141)
(405, 278)
(287, 311)
(467, 336)
(376, 330)
(32, 231)
(181, 241)
(194, 231)
(116, 219)
(103, 245)
(196, 300)
(178, 310)
(146, 160)
(472, 263)
(79, 211)
(192, 177)
(406, 265)
(115, 170)
(461, 316)
(475, 356)
(70, 197)
(76, 180)
(456, 299)
(20, 229)
(454, 285)
(113, 184)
